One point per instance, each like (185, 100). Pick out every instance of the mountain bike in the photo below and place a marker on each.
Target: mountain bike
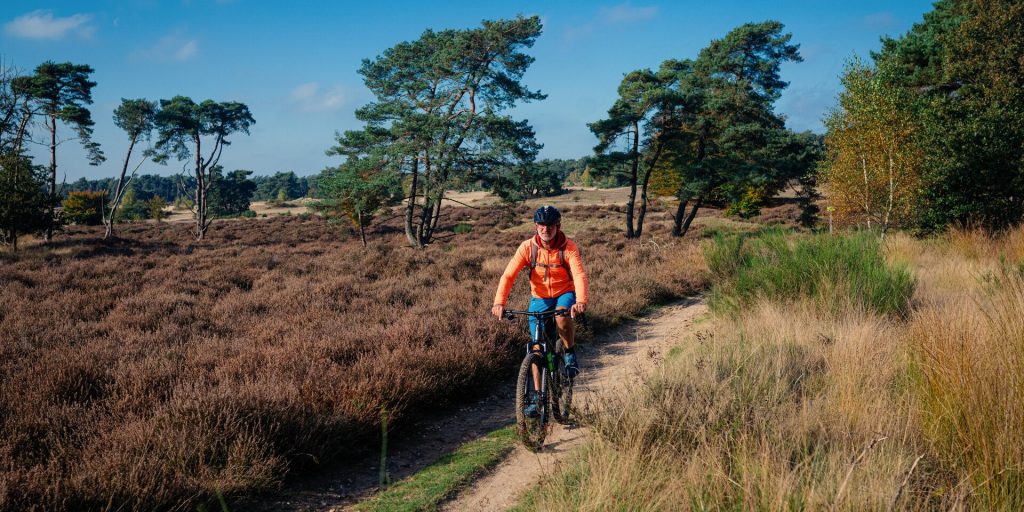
(554, 398)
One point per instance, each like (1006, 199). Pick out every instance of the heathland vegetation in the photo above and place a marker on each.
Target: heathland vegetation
(876, 376)
(155, 369)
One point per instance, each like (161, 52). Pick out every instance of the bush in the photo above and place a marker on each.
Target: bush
(462, 228)
(84, 207)
(249, 214)
(836, 272)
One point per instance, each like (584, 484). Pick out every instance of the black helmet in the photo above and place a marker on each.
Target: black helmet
(547, 215)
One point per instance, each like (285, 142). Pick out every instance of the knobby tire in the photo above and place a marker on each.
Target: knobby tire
(561, 388)
(532, 431)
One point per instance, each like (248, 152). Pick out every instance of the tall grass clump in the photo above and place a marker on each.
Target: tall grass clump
(837, 273)
(971, 380)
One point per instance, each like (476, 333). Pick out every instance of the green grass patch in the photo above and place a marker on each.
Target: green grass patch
(440, 480)
(837, 272)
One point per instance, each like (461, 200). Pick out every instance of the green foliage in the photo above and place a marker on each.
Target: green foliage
(249, 214)
(282, 186)
(964, 65)
(60, 92)
(132, 207)
(873, 168)
(146, 186)
(426, 489)
(136, 117)
(535, 179)
(230, 195)
(437, 112)
(462, 228)
(836, 272)
(155, 208)
(84, 208)
(710, 123)
(357, 191)
(181, 126)
(23, 202)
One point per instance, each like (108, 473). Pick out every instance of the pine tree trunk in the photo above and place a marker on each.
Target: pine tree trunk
(362, 228)
(677, 219)
(643, 191)
(118, 191)
(410, 207)
(632, 181)
(53, 177)
(200, 199)
(693, 213)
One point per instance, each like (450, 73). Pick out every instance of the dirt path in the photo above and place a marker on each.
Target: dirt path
(623, 354)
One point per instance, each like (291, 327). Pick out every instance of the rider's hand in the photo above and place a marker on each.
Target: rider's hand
(498, 310)
(577, 309)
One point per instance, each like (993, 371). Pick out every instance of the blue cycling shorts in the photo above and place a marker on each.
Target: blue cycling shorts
(565, 300)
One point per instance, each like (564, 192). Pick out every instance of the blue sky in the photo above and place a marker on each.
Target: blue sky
(294, 64)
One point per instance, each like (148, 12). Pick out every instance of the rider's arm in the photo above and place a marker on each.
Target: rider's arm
(579, 276)
(519, 261)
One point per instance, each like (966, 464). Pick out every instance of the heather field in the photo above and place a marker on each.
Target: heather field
(154, 371)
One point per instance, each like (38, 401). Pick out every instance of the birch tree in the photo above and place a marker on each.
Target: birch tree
(873, 164)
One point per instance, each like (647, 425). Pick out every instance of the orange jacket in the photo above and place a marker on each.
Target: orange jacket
(557, 280)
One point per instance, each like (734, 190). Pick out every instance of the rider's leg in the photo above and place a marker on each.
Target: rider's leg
(537, 304)
(566, 329)
(567, 332)
(566, 325)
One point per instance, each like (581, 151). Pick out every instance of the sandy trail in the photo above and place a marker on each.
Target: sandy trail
(616, 357)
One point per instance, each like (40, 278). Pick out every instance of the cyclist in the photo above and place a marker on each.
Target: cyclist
(557, 281)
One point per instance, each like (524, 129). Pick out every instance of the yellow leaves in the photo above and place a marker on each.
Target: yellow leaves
(873, 162)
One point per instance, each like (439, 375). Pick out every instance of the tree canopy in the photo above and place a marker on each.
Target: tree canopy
(181, 126)
(437, 114)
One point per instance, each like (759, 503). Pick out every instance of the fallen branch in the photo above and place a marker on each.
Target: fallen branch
(853, 465)
(906, 479)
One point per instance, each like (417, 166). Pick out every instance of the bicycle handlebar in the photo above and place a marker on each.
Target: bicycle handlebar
(509, 313)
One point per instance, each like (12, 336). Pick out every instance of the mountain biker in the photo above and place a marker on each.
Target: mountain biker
(557, 281)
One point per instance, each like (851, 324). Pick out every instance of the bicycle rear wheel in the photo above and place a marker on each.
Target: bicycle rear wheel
(532, 430)
(561, 390)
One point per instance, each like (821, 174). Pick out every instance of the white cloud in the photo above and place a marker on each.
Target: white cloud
(186, 50)
(621, 14)
(625, 13)
(880, 20)
(41, 24)
(172, 47)
(310, 98)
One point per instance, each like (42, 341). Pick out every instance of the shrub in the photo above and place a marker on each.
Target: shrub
(462, 228)
(84, 207)
(836, 272)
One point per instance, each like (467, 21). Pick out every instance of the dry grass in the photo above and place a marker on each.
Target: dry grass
(154, 371)
(789, 405)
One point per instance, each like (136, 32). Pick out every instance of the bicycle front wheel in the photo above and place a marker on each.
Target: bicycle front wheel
(532, 408)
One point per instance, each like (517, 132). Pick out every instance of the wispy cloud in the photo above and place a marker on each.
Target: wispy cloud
(172, 47)
(884, 20)
(621, 14)
(41, 24)
(310, 97)
(625, 13)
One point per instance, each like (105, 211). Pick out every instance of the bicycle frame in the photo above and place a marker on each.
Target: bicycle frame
(540, 336)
